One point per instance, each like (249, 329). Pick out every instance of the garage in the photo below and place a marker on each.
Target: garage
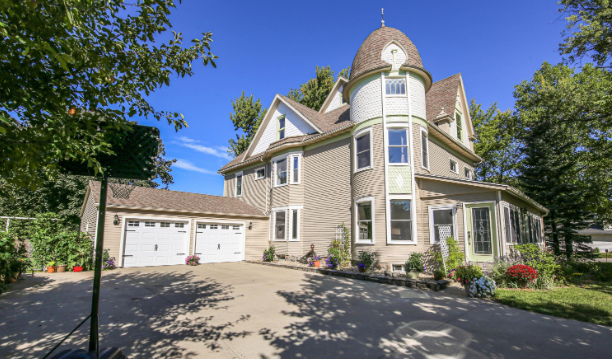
(155, 242)
(219, 242)
(156, 227)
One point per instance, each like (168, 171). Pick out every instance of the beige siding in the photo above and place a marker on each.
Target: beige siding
(439, 162)
(254, 191)
(256, 239)
(90, 216)
(519, 203)
(327, 186)
(417, 148)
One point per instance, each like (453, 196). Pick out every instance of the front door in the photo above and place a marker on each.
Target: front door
(482, 243)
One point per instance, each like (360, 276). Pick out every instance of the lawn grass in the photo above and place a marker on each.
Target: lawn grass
(587, 302)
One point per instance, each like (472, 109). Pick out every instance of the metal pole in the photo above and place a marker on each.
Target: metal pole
(93, 329)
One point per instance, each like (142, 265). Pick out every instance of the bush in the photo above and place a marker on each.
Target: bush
(79, 251)
(482, 288)
(366, 258)
(193, 260)
(439, 274)
(456, 256)
(543, 262)
(466, 274)
(521, 274)
(414, 263)
(498, 271)
(269, 254)
(333, 261)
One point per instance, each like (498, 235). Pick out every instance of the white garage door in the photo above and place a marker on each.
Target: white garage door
(218, 242)
(155, 243)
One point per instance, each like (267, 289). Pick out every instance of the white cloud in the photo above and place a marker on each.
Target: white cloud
(219, 151)
(188, 166)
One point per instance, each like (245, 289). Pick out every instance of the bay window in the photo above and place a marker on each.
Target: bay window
(279, 231)
(400, 220)
(363, 150)
(398, 148)
(365, 220)
(281, 171)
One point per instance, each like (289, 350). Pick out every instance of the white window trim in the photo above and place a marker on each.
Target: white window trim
(457, 167)
(431, 210)
(279, 127)
(395, 127)
(388, 219)
(461, 137)
(291, 225)
(291, 165)
(355, 152)
(274, 173)
(256, 173)
(357, 219)
(422, 132)
(274, 225)
(406, 90)
(236, 184)
(397, 264)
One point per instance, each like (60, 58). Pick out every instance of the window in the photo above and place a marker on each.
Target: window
(530, 230)
(295, 169)
(213, 226)
(225, 227)
(424, 149)
(516, 225)
(149, 224)
(239, 184)
(280, 225)
(468, 173)
(458, 120)
(365, 223)
(394, 87)
(398, 147)
(342, 99)
(442, 223)
(400, 219)
(453, 166)
(397, 268)
(295, 224)
(281, 128)
(507, 225)
(260, 173)
(179, 225)
(164, 224)
(281, 172)
(363, 152)
(201, 226)
(133, 223)
(236, 228)
(539, 230)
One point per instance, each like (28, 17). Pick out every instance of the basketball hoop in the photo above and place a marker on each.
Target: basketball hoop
(121, 189)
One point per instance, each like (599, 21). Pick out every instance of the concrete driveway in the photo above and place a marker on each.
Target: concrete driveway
(241, 310)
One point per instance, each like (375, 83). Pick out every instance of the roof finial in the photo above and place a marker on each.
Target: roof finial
(382, 21)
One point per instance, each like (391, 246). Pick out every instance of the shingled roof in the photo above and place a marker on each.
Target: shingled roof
(327, 123)
(160, 199)
(368, 56)
(442, 94)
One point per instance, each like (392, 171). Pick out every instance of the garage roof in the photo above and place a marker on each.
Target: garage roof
(160, 199)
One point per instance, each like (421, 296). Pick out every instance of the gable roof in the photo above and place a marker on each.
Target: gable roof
(330, 123)
(442, 94)
(161, 199)
(340, 81)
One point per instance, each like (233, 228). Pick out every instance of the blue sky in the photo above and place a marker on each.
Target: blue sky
(267, 47)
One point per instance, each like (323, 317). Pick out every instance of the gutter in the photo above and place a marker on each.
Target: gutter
(155, 209)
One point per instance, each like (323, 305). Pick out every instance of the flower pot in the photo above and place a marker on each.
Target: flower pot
(316, 264)
(50, 269)
(61, 268)
(10, 279)
(77, 269)
(467, 289)
(362, 270)
(413, 274)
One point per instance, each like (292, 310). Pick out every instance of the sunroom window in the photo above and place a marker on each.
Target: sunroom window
(400, 219)
(398, 146)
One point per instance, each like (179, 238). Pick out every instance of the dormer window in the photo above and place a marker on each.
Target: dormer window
(281, 128)
(395, 87)
(458, 120)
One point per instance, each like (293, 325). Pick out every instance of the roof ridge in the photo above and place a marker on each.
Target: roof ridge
(459, 73)
(171, 190)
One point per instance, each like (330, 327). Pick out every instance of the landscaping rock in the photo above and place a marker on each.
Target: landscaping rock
(433, 285)
(443, 283)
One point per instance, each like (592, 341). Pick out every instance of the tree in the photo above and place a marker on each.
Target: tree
(72, 70)
(247, 116)
(566, 147)
(64, 194)
(588, 31)
(497, 143)
(313, 93)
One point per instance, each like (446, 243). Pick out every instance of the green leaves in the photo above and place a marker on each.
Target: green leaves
(314, 92)
(248, 115)
(69, 68)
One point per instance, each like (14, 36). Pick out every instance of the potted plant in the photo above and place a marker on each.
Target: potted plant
(192, 260)
(77, 268)
(50, 266)
(315, 261)
(365, 261)
(414, 265)
(466, 274)
(439, 274)
(61, 268)
(80, 253)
